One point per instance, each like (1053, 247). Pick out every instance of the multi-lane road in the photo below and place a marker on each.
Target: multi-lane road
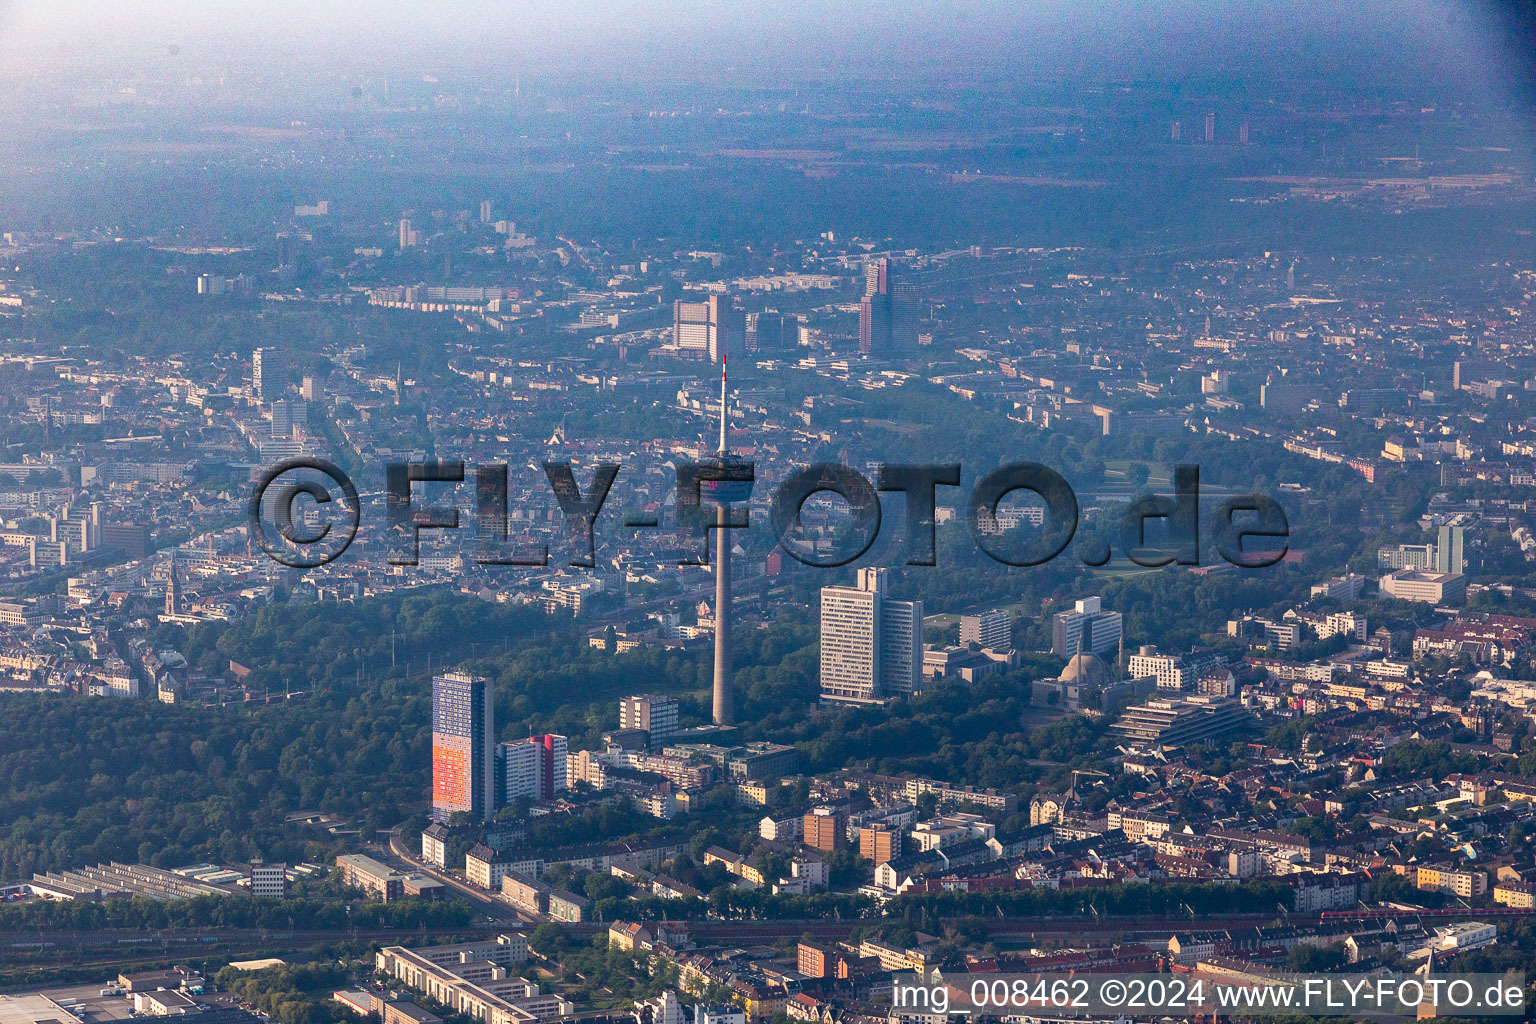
(490, 906)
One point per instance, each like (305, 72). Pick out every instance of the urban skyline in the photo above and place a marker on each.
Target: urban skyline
(589, 515)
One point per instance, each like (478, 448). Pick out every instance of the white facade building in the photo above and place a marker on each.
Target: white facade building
(871, 645)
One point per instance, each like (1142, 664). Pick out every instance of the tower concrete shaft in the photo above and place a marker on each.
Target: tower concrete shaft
(725, 699)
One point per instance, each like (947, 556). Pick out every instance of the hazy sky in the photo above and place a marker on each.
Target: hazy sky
(687, 39)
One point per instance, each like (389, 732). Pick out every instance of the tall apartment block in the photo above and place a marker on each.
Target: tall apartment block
(1086, 629)
(409, 236)
(824, 829)
(533, 768)
(871, 645)
(992, 629)
(879, 843)
(655, 714)
(1449, 553)
(287, 414)
(463, 746)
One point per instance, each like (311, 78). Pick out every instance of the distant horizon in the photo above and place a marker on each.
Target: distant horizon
(1467, 42)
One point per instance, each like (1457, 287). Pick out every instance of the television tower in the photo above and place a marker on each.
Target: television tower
(724, 492)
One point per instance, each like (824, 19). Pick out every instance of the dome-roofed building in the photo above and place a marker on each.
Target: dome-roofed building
(1085, 669)
(1088, 683)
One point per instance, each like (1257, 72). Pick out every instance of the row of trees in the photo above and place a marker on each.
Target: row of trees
(1133, 900)
(291, 993)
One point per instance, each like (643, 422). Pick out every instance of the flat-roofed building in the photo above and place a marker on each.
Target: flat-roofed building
(1406, 556)
(536, 768)
(484, 991)
(1444, 878)
(879, 844)
(1173, 672)
(655, 714)
(355, 1000)
(463, 747)
(812, 959)
(401, 1011)
(270, 880)
(709, 329)
(1340, 588)
(871, 645)
(505, 949)
(162, 1003)
(1085, 629)
(823, 828)
(993, 629)
(150, 981)
(33, 1009)
(383, 881)
(1176, 721)
(1424, 586)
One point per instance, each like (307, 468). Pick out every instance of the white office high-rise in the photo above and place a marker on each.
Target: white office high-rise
(1086, 629)
(871, 645)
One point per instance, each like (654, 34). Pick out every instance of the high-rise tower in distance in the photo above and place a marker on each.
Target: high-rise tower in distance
(267, 373)
(887, 315)
(1450, 553)
(772, 331)
(655, 714)
(463, 747)
(711, 329)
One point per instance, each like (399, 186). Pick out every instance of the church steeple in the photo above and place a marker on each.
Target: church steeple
(172, 592)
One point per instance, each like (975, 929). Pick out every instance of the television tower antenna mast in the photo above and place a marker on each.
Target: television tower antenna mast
(721, 450)
(724, 493)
